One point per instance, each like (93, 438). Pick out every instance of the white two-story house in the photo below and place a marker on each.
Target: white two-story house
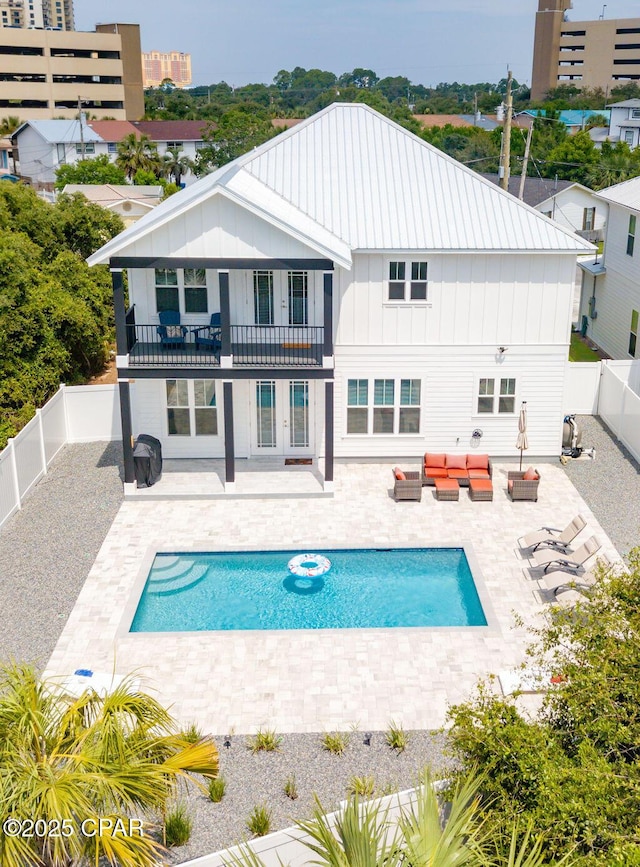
(610, 295)
(625, 122)
(369, 297)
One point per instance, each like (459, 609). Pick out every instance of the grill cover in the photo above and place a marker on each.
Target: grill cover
(147, 460)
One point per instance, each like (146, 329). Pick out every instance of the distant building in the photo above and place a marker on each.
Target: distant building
(157, 66)
(602, 53)
(45, 71)
(32, 14)
(129, 202)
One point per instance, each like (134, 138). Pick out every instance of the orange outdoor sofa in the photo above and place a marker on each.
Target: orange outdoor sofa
(462, 468)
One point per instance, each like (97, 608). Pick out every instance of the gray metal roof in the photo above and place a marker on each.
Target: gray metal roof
(626, 194)
(536, 190)
(365, 183)
(62, 131)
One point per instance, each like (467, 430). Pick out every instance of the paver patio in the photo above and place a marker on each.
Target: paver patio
(301, 681)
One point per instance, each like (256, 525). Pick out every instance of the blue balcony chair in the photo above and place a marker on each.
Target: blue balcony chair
(209, 336)
(170, 331)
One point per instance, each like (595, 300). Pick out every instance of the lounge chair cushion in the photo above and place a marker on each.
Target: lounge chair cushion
(456, 462)
(510, 485)
(477, 462)
(479, 474)
(435, 473)
(530, 475)
(400, 476)
(455, 473)
(434, 460)
(174, 331)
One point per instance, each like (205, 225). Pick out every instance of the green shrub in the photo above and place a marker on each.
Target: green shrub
(217, 788)
(397, 738)
(267, 741)
(364, 787)
(259, 821)
(192, 734)
(290, 788)
(335, 742)
(177, 826)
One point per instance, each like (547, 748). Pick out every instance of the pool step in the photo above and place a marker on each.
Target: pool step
(188, 576)
(172, 567)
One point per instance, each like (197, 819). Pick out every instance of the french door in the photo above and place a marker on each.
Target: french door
(282, 298)
(282, 417)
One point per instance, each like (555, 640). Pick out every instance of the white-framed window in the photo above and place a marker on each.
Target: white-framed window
(61, 153)
(87, 148)
(633, 334)
(191, 407)
(263, 297)
(175, 144)
(385, 406)
(496, 396)
(112, 147)
(182, 290)
(588, 219)
(631, 235)
(635, 113)
(298, 297)
(416, 290)
(629, 136)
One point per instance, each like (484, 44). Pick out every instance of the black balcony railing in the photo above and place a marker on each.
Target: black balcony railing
(251, 345)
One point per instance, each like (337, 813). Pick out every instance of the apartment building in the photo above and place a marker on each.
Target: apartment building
(52, 14)
(602, 53)
(45, 72)
(158, 66)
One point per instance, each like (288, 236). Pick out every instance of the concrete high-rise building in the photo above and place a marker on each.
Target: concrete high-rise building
(603, 53)
(35, 14)
(160, 65)
(45, 72)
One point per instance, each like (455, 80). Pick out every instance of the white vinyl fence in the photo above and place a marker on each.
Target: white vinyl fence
(619, 403)
(75, 414)
(581, 384)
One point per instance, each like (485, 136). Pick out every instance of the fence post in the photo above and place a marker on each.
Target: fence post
(14, 469)
(43, 452)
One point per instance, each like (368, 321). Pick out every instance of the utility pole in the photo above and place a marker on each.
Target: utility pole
(475, 108)
(525, 162)
(506, 149)
(82, 148)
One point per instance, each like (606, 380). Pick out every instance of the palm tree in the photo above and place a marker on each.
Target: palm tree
(8, 125)
(65, 761)
(138, 153)
(174, 165)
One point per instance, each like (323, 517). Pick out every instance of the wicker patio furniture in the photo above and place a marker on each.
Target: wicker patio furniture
(480, 489)
(407, 484)
(522, 488)
(447, 489)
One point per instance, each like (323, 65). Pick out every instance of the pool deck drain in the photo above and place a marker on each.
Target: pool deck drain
(317, 679)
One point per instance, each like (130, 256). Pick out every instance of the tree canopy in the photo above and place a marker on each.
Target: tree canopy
(56, 314)
(98, 170)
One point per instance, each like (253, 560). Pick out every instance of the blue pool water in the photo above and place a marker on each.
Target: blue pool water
(363, 588)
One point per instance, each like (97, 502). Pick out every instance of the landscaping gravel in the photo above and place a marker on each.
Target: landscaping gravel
(48, 547)
(257, 779)
(610, 484)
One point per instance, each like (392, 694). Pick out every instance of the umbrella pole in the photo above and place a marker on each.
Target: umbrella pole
(520, 460)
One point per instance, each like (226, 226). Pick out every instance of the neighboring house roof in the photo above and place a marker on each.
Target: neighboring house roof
(60, 131)
(106, 194)
(172, 130)
(285, 122)
(570, 117)
(349, 179)
(113, 130)
(536, 190)
(626, 194)
(487, 122)
(629, 122)
(570, 186)
(626, 103)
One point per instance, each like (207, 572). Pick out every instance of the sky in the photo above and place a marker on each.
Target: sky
(428, 41)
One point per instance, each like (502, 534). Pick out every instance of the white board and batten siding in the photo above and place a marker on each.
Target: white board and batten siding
(617, 291)
(491, 300)
(567, 208)
(449, 379)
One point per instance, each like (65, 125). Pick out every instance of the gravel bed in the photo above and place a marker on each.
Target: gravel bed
(255, 779)
(610, 484)
(48, 547)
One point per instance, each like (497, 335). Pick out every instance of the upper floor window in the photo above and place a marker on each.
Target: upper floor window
(633, 334)
(263, 297)
(174, 144)
(87, 147)
(588, 219)
(112, 147)
(635, 112)
(417, 288)
(496, 397)
(190, 283)
(631, 236)
(298, 298)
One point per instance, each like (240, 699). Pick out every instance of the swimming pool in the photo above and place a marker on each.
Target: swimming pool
(364, 588)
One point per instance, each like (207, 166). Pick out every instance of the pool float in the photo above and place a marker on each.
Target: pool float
(306, 574)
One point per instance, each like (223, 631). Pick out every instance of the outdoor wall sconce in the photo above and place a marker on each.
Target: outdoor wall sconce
(477, 434)
(502, 349)
(227, 741)
(367, 739)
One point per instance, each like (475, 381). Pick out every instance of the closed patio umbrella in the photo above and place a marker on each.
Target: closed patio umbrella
(522, 442)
